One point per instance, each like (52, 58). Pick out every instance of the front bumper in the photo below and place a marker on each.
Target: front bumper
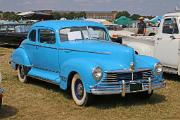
(122, 87)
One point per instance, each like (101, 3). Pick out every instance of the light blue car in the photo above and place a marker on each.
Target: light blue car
(79, 56)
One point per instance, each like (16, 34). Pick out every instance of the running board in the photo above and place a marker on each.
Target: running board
(43, 75)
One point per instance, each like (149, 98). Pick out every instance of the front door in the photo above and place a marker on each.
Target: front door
(46, 52)
(167, 46)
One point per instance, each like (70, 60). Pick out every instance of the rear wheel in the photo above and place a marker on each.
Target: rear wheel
(79, 94)
(22, 74)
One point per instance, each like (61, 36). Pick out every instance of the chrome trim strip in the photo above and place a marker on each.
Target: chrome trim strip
(127, 70)
(46, 69)
(42, 45)
(70, 49)
(85, 51)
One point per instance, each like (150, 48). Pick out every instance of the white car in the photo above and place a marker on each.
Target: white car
(165, 45)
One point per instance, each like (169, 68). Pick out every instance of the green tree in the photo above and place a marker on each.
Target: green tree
(135, 16)
(11, 16)
(122, 13)
(56, 15)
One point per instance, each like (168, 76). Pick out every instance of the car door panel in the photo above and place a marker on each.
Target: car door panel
(46, 55)
(167, 44)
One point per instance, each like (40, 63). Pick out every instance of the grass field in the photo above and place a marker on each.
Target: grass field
(40, 100)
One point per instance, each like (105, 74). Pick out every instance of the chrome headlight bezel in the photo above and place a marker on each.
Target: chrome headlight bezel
(97, 73)
(158, 68)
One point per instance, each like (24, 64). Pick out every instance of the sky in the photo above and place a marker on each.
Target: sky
(143, 7)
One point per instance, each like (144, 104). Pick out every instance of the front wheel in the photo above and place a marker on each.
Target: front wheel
(79, 94)
(21, 74)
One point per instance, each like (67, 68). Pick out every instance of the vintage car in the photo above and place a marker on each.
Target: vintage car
(79, 56)
(165, 43)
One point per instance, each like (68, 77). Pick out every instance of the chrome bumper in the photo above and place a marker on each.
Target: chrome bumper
(124, 87)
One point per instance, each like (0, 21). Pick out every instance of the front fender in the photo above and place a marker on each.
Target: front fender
(19, 56)
(147, 62)
(142, 61)
(83, 67)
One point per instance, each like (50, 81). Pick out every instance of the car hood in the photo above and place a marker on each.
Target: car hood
(109, 55)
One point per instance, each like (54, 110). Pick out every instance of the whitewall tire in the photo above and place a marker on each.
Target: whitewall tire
(79, 94)
(21, 74)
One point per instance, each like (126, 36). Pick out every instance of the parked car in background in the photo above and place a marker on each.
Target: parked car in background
(13, 34)
(114, 30)
(150, 31)
(79, 55)
(165, 45)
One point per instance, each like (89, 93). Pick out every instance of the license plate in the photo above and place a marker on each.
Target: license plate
(135, 87)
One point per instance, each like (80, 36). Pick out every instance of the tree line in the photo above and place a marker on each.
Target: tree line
(70, 15)
(133, 16)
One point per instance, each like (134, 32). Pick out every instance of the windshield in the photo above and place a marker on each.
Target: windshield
(83, 33)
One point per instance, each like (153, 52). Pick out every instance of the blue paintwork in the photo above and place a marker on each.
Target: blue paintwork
(20, 57)
(56, 62)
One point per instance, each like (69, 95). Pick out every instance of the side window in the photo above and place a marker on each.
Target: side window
(170, 26)
(47, 36)
(73, 33)
(32, 35)
(64, 34)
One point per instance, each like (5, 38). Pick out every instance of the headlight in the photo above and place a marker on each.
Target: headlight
(158, 68)
(97, 73)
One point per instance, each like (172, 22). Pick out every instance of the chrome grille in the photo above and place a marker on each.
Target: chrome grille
(117, 76)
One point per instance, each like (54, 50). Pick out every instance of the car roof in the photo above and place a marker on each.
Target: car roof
(59, 24)
(172, 14)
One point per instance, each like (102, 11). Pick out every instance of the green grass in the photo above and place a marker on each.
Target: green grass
(40, 100)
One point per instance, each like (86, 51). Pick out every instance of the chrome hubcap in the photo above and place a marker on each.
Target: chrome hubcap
(79, 89)
(21, 70)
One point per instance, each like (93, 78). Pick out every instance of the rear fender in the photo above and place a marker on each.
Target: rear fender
(20, 57)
